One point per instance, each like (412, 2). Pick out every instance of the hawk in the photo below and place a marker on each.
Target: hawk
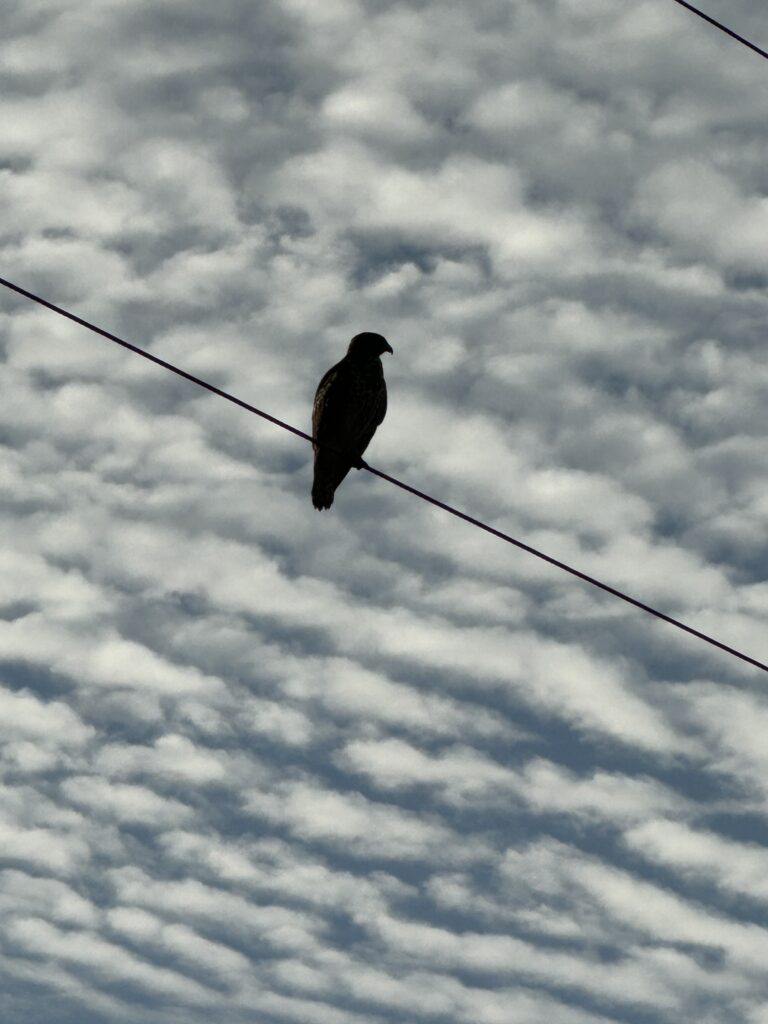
(350, 403)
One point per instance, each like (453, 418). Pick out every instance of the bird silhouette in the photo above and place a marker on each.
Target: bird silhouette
(350, 403)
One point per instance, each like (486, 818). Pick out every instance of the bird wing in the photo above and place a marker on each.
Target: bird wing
(347, 409)
(328, 408)
(331, 415)
(375, 411)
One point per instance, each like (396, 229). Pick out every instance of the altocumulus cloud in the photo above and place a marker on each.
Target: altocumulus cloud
(261, 766)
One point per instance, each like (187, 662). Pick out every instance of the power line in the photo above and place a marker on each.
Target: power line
(391, 479)
(568, 568)
(723, 28)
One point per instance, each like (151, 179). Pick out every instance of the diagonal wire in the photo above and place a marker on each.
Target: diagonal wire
(392, 480)
(722, 27)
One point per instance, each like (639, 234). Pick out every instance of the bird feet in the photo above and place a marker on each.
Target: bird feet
(360, 464)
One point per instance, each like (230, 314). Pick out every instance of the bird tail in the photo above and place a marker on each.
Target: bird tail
(330, 470)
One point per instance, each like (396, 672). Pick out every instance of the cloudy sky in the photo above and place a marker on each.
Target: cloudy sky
(264, 765)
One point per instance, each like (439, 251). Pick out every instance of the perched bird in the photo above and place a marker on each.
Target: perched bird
(350, 402)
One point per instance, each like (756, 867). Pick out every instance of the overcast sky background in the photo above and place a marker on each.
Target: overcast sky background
(370, 766)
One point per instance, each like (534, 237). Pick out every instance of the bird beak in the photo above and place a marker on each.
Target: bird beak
(389, 349)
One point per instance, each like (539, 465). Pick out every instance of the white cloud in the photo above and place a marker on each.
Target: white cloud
(91, 952)
(692, 204)
(274, 867)
(126, 803)
(630, 902)
(602, 796)
(361, 827)
(640, 980)
(281, 928)
(733, 723)
(738, 868)
(459, 775)
(28, 895)
(170, 756)
(54, 723)
(110, 662)
(179, 941)
(264, 764)
(348, 690)
(48, 849)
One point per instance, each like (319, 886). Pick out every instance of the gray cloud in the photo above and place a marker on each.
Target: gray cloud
(265, 766)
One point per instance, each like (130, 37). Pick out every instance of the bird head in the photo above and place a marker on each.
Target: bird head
(368, 346)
